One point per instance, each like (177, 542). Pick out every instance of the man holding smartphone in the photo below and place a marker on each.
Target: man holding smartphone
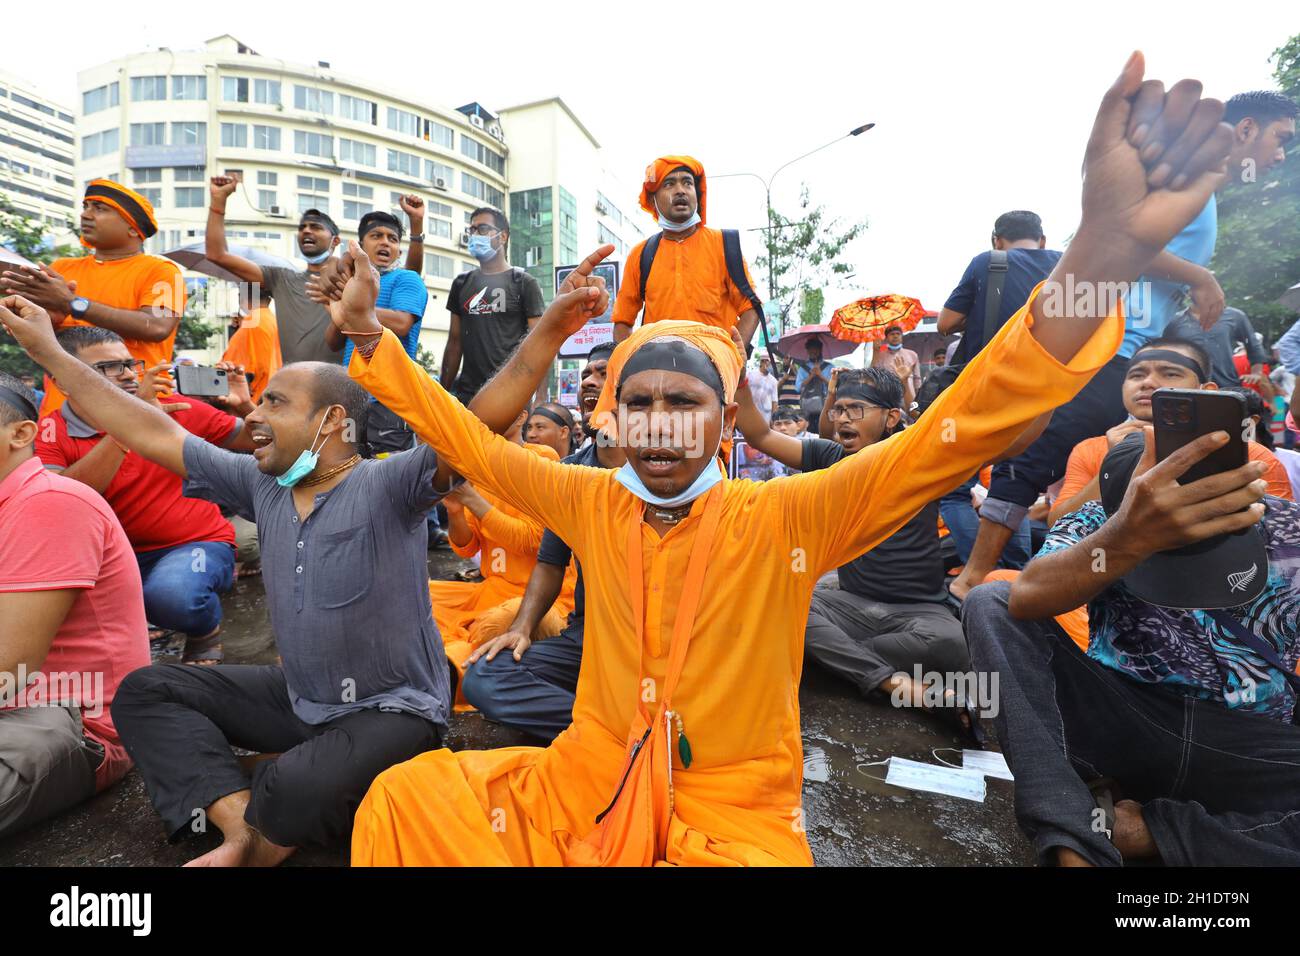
(184, 547)
(1181, 714)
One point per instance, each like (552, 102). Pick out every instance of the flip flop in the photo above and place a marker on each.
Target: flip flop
(975, 732)
(203, 651)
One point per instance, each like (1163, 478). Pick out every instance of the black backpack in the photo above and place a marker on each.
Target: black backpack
(941, 378)
(458, 284)
(735, 270)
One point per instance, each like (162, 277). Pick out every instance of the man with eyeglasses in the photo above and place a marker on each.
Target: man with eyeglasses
(888, 616)
(185, 548)
(492, 308)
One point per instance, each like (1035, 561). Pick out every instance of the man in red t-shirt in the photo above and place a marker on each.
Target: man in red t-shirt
(71, 627)
(184, 547)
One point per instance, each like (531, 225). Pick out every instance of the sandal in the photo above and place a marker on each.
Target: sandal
(973, 731)
(204, 651)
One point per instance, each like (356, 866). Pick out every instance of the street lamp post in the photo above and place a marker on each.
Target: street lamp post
(767, 188)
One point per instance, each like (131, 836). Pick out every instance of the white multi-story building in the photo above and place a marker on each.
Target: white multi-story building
(37, 162)
(300, 137)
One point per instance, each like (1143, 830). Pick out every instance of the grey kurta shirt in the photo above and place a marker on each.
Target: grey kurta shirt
(348, 589)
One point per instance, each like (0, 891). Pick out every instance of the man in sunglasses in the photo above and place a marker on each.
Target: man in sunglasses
(887, 618)
(185, 548)
(492, 308)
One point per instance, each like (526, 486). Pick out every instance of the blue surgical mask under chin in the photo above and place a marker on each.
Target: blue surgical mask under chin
(317, 260)
(671, 226)
(306, 462)
(704, 481)
(480, 247)
(895, 348)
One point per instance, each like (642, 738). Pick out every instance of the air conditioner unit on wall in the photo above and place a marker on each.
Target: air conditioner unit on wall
(440, 183)
(602, 208)
(277, 211)
(495, 130)
(464, 240)
(476, 121)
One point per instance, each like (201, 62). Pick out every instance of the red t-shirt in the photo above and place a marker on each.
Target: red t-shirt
(56, 533)
(146, 497)
(1242, 364)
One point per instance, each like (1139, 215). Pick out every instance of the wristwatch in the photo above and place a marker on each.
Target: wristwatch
(78, 307)
(418, 237)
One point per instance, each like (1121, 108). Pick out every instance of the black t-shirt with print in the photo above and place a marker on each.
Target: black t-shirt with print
(906, 567)
(494, 311)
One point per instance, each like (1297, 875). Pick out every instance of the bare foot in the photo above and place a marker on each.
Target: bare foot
(961, 585)
(1131, 836)
(245, 847)
(1067, 857)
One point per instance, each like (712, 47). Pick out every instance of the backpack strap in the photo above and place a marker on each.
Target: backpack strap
(1255, 643)
(735, 261)
(453, 294)
(993, 291)
(648, 252)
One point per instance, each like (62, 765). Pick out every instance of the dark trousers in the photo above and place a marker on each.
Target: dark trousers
(386, 432)
(1217, 788)
(534, 694)
(866, 641)
(1098, 407)
(179, 722)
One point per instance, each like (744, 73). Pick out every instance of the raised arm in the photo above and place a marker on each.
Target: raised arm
(138, 425)
(49, 291)
(220, 189)
(786, 449)
(547, 491)
(413, 206)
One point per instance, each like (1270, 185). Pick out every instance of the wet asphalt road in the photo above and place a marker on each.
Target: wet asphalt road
(853, 819)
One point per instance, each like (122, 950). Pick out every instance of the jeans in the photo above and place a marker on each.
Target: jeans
(182, 584)
(179, 723)
(1217, 788)
(535, 693)
(963, 523)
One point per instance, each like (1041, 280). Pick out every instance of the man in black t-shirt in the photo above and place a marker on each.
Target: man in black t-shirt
(888, 617)
(492, 308)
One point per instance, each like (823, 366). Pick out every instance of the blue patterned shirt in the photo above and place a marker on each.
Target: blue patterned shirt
(1185, 651)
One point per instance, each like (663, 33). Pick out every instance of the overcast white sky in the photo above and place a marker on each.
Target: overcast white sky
(980, 108)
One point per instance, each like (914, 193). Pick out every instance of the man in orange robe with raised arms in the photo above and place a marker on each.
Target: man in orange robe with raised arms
(685, 744)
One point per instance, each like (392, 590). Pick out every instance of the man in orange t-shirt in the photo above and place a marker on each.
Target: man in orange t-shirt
(118, 287)
(1166, 362)
(689, 279)
(256, 344)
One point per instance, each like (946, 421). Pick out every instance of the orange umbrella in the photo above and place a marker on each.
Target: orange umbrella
(866, 319)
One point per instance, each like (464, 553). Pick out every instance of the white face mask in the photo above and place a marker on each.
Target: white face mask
(670, 226)
(962, 783)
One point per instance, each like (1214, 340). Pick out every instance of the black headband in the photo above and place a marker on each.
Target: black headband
(19, 403)
(860, 391)
(143, 221)
(674, 357)
(1170, 356)
(553, 416)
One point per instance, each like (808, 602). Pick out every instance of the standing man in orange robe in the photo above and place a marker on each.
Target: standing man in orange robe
(685, 745)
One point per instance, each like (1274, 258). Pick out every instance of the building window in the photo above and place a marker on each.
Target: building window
(234, 89)
(480, 190)
(358, 110)
(100, 98)
(439, 209)
(354, 209)
(313, 144)
(189, 197)
(609, 208)
(188, 174)
(266, 198)
(100, 144)
(265, 178)
(406, 163)
(436, 171)
(438, 227)
(605, 235)
(442, 267)
(481, 154)
(189, 133)
(266, 137)
(351, 151)
(139, 176)
(153, 195)
(439, 135)
(266, 91)
(313, 193)
(234, 135)
(314, 100)
(148, 88)
(189, 87)
(403, 122)
(148, 134)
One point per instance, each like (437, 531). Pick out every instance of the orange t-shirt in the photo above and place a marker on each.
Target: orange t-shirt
(256, 346)
(1085, 464)
(139, 282)
(688, 281)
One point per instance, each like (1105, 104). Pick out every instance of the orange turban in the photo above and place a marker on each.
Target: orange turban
(712, 341)
(661, 167)
(133, 207)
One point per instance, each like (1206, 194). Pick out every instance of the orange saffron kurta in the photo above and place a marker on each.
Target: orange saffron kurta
(740, 800)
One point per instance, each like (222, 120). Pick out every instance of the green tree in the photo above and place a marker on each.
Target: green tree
(1258, 253)
(194, 332)
(807, 256)
(28, 238)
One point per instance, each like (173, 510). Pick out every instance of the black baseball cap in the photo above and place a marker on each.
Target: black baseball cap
(1227, 570)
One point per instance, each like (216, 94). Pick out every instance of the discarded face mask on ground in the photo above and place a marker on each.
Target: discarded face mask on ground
(913, 775)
